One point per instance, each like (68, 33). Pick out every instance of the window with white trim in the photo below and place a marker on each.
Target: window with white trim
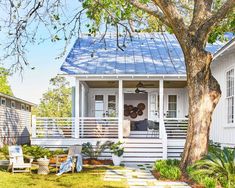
(22, 107)
(27, 108)
(172, 106)
(13, 104)
(3, 102)
(99, 105)
(230, 95)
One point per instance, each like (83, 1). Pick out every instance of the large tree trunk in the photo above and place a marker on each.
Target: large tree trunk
(204, 93)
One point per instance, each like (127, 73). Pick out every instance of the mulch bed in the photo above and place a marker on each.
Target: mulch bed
(184, 178)
(97, 162)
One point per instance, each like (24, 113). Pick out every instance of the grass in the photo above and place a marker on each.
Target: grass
(89, 177)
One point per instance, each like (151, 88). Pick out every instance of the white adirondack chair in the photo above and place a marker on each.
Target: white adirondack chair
(17, 163)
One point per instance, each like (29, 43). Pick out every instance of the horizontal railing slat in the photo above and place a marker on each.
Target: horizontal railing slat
(50, 127)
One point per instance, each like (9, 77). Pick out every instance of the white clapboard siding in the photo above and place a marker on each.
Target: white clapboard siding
(15, 126)
(221, 131)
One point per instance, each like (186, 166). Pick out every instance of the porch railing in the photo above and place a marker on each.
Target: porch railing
(46, 127)
(93, 127)
(176, 128)
(89, 127)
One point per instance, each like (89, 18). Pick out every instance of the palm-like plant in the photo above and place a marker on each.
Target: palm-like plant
(93, 152)
(219, 164)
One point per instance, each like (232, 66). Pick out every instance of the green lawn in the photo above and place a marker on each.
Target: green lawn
(89, 177)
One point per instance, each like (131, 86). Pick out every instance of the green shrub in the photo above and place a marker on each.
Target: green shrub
(209, 182)
(34, 151)
(218, 165)
(4, 151)
(117, 149)
(168, 169)
(170, 172)
(93, 152)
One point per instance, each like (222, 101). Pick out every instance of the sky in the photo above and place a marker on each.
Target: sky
(31, 84)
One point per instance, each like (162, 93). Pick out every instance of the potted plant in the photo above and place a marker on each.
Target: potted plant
(117, 151)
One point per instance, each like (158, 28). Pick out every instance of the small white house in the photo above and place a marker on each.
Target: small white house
(223, 122)
(134, 91)
(15, 120)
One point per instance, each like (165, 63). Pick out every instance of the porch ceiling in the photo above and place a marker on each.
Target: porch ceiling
(132, 84)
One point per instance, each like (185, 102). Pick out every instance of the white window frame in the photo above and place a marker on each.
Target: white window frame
(3, 99)
(27, 108)
(13, 106)
(22, 107)
(173, 94)
(230, 124)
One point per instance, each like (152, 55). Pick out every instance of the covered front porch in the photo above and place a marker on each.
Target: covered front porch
(109, 109)
(105, 108)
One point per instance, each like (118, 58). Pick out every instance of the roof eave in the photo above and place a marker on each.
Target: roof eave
(17, 99)
(127, 76)
(224, 48)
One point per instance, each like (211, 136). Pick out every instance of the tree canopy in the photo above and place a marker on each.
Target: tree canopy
(24, 21)
(4, 85)
(56, 102)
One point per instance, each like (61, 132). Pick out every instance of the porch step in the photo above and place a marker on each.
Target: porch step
(142, 151)
(143, 134)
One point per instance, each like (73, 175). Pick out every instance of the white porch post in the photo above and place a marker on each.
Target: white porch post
(77, 108)
(161, 110)
(120, 109)
(162, 130)
(82, 107)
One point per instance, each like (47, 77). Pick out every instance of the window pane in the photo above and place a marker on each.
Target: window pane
(230, 95)
(99, 97)
(172, 98)
(172, 106)
(111, 105)
(231, 110)
(99, 105)
(112, 98)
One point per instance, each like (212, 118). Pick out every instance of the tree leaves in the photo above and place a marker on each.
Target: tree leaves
(4, 86)
(57, 101)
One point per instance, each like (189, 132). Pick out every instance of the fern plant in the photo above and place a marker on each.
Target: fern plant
(93, 152)
(219, 164)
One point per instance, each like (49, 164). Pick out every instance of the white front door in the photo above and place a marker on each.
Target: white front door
(153, 111)
(105, 105)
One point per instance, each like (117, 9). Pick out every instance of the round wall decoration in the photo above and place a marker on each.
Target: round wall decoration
(130, 107)
(133, 115)
(140, 113)
(141, 106)
(133, 111)
(126, 112)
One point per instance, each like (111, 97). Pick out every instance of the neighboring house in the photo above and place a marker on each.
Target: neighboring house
(135, 92)
(15, 120)
(223, 122)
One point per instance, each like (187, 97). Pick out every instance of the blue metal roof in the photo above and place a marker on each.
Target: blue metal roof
(146, 53)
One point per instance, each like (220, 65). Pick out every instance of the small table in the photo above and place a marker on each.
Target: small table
(43, 164)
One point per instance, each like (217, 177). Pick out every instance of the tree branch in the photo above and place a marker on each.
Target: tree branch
(215, 19)
(201, 11)
(153, 12)
(173, 16)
